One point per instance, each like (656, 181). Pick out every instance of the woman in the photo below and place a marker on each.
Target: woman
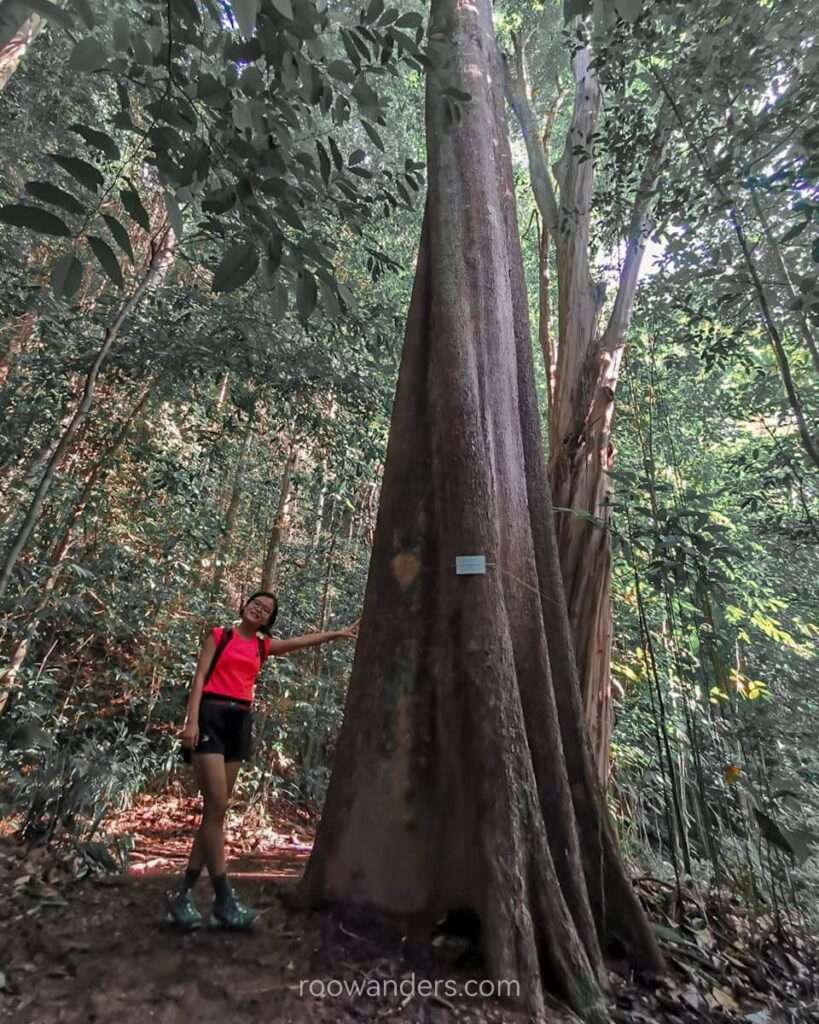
(217, 738)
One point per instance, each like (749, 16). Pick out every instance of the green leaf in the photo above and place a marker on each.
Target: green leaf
(329, 298)
(794, 232)
(238, 265)
(629, 10)
(364, 93)
(274, 251)
(245, 12)
(374, 11)
(350, 48)
(356, 157)
(816, 250)
(373, 134)
(120, 235)
(107, 260)
(324, 163)
(83, 8)
(338, 160)
(121, 29)
(411, 20)
(48, 193)
(101, 141)
(289, 216)
(21, 216)
(174, 214)
(133, 206)
(51, 11)
(306, 294)
(66, 277)
(285, 8)
(341, 70)
(83, 172)
(88, 55)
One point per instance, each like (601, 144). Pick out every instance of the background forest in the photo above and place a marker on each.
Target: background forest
(208, 238)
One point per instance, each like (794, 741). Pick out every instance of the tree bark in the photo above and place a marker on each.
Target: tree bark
(462, 776)
(585, 376)
(18, 27)
(281, 521)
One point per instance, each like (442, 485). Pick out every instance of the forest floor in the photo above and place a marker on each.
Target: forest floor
(95, 950)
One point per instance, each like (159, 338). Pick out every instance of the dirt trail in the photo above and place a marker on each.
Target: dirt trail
(97, 951)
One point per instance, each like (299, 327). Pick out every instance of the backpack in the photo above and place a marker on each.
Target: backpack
(227, 634)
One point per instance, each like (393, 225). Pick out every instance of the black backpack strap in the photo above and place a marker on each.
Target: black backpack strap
(262, 655)
(227, 633)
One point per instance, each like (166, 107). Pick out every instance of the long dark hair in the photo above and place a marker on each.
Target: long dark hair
(263, 593)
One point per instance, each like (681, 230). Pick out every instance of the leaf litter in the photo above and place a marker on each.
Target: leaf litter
(82, 939)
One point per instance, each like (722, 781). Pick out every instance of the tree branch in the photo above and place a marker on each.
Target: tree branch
(519, 97)
(638, 231)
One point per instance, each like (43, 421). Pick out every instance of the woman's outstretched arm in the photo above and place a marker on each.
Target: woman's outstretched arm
(298, 643)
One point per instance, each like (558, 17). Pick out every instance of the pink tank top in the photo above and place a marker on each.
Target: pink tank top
(237, 667)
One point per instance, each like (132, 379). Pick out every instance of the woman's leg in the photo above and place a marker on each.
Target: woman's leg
(209, 845)
(196, 860)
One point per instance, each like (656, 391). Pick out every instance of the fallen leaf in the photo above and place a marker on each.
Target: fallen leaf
(693, 998)
(724, 999)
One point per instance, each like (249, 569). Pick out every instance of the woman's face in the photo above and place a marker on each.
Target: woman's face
(258, 611)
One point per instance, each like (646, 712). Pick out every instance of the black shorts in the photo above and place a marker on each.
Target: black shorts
(225, 727)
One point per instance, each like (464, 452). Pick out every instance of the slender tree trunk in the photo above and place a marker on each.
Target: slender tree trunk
(544, 328)
(462, 777)
(281, 522)
(223, 547)
(320, 505)
(18, 27)
(220, 401)
(585, 377)
(18, 544)
(805, 330)
(20, 649)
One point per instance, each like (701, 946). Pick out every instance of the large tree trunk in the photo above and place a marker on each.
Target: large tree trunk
(18, 27)
(586, 372)
(462, 776)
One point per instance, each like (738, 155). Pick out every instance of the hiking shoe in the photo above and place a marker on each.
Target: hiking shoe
(232, 913)
(182, 911)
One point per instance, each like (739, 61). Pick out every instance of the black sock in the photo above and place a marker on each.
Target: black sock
(221, 888)
(189, 879)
